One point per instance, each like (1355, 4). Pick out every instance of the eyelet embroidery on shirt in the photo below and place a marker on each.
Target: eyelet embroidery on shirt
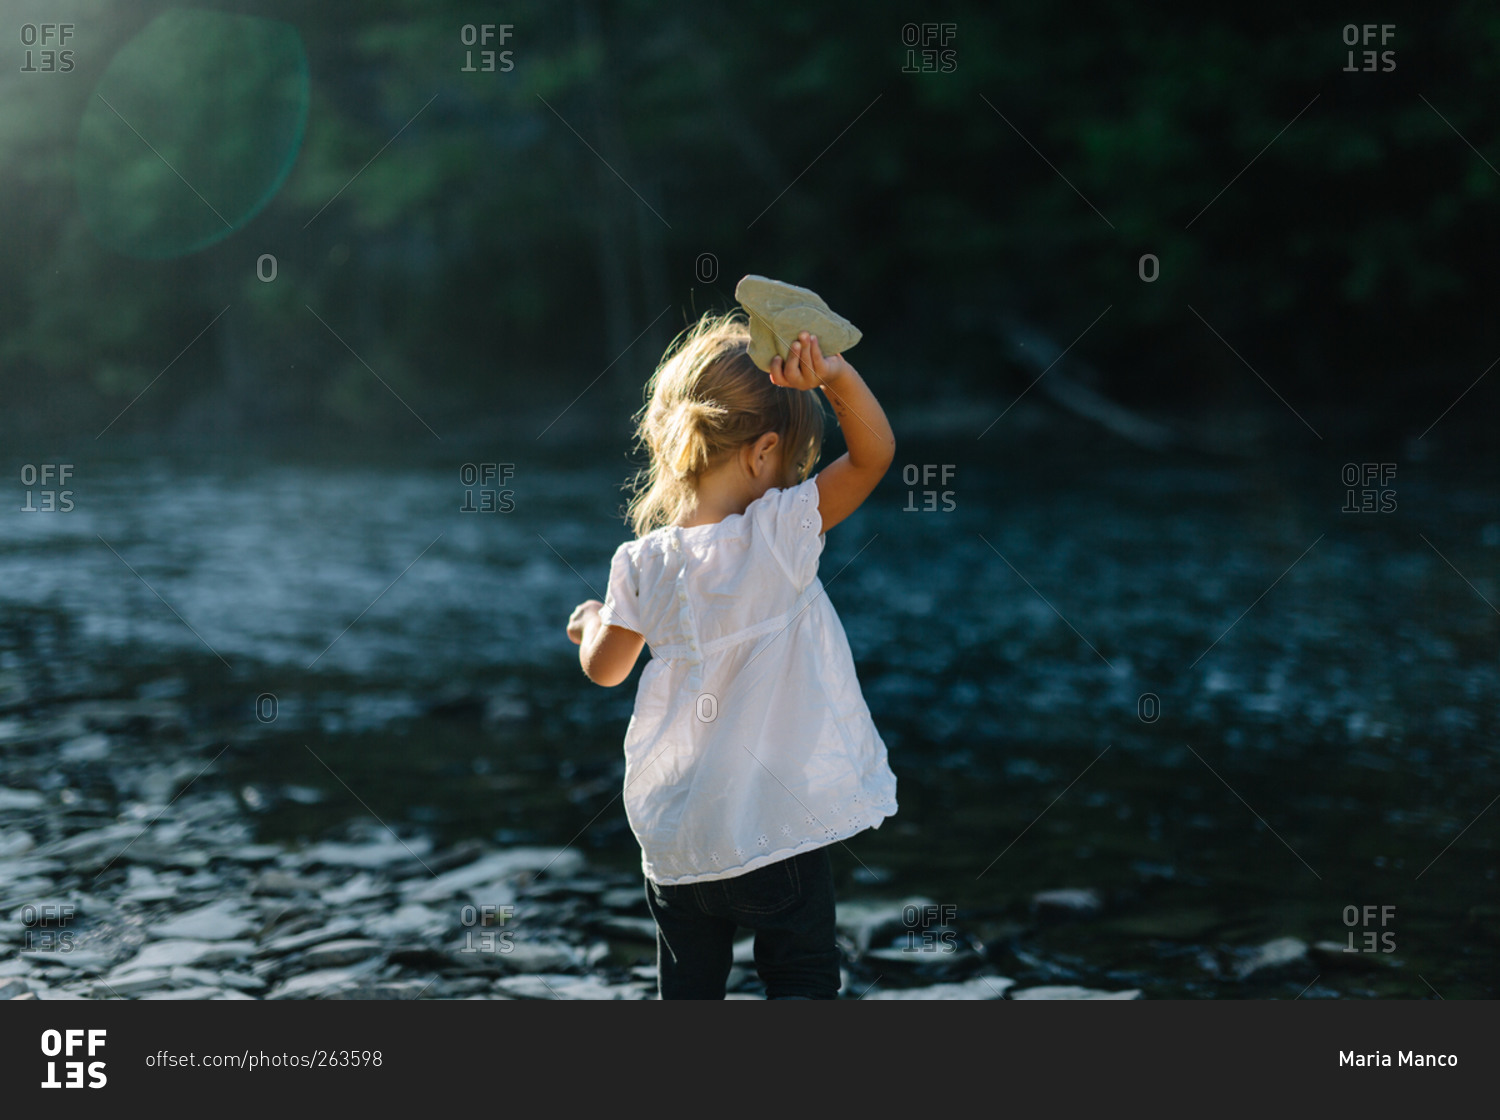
(807, 523)
(786, 830)
(762, 840)
(714, 856)
(739, 851)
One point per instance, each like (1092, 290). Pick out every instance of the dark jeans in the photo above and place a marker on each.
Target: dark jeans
(788, 904)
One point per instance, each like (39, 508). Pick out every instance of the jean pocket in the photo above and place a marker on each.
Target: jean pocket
(767, 890)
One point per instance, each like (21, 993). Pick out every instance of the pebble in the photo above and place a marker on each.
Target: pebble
(165, 954)
(20, 799)
(1075, 901)
(311, 985)
(1279, 953)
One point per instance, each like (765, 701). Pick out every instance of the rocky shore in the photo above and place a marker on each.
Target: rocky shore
(125, 876)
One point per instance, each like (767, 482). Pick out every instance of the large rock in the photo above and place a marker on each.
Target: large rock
(490, 874)
(779, 312)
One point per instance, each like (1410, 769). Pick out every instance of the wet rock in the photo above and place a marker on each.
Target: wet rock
(167, 954)
(411, 920)
(10, 989)
(492, 872)
(274, 881)
(631, 929)
(371, 855)
(218, 921)
(15, 842)
(385, 989)
(93, 747)
(332, 954)
(144, 886)
(315, 985)
(75, 960)
(21, 799)
(863, 921)
(1069, 991)
(980, 987)
(540, 956)
(243, 981)
(1067, 902)
(291, 943)
(360, 888)
(255, 853)
(1283, 952)
(133, 982)
(558, 986)
(779, 311)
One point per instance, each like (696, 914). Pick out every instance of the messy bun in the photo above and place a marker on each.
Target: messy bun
(706, 399)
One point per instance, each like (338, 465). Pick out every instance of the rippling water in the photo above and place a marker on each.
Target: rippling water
(1200, 689)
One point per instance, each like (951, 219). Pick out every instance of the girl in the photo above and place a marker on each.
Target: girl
(750, 750)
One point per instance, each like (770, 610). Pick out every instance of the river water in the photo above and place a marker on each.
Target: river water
(1204, 691)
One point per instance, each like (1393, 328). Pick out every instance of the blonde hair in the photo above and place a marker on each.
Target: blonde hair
(707, 399)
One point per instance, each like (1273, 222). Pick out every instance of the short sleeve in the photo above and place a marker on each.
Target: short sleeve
(622, 599)
(791, 524)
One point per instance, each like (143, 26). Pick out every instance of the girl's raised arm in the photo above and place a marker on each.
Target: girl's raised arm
(845, 483)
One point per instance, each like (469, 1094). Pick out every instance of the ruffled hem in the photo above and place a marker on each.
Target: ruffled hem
(884, 810)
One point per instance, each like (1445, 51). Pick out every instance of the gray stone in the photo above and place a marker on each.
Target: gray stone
(15, 842)
(132, 982)
(630, 929)
(167, 954)
(492, 872)
(312, 985)
(358, 889)
(332, 954)
(371, 855)
(410, 921)
(1278, 953)
(1078, 901)
(93, 747)
(218, 921)
(979, 987)
(862, 921)
(10, 989)
(243, 981)
(525, 955)
(291, 943)
(559, 986)
(779, 312)
(21, 799)
(1069, 991)
(385, 989)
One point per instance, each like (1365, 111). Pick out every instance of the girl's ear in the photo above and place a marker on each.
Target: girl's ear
(765, 448)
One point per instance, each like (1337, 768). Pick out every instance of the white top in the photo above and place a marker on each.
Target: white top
(751, 741)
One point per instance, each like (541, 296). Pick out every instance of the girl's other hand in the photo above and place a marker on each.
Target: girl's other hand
(806, 367)
(579, 616)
